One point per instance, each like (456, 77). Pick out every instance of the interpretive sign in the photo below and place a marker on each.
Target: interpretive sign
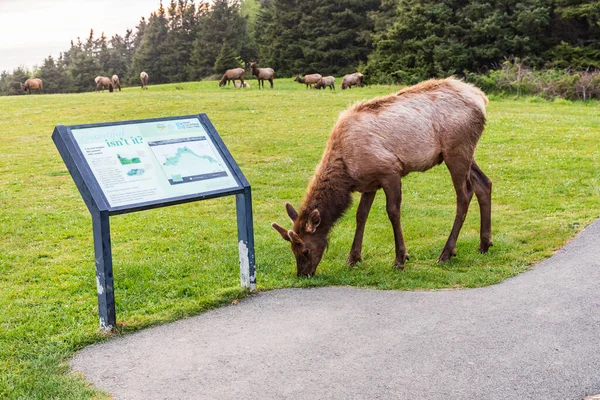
(121, 167)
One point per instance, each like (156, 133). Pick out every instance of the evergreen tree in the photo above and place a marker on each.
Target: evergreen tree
(55, 77)
(278, 38)
(147, 56)
(10, 83)
(180, 38)
(83, 65)
(118, 57)
(222, 23)
(431, 38)
(227, 59)
(102, 54)
(315, 36)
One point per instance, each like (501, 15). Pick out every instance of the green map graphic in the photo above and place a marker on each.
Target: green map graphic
(174, 160)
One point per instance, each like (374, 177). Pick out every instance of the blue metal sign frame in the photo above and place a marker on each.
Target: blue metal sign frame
(100, 208)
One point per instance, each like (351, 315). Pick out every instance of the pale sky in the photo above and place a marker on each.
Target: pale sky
(31, 30)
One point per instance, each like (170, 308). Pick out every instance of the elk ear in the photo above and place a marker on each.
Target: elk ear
(294, 238)
(291, 212)
(281, 230)
(314, 219)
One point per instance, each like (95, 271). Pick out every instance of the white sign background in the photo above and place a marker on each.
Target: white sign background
(152, 161)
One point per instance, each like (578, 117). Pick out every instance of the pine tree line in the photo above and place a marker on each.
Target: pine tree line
(388, 40)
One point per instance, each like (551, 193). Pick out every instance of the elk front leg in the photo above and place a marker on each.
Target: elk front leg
(362, 213)
(393, 198)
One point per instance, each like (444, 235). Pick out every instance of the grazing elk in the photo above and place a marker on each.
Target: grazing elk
(116, 82)
(373, 145)
(144, 79)
(324, 82)
(262, 74)
(308, 80)
(103, 82)
(232, 75)
(33, 84)
(355, 79)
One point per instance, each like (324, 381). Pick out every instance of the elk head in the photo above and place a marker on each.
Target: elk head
(308, 244)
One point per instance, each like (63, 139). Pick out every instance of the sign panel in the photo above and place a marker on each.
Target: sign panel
(129, 166)
(153, 161)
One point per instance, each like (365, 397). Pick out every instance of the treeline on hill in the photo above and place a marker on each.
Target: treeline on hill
(390, 41)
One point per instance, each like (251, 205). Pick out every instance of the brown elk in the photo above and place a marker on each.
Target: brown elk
(116, 82)
(33, 84)
(144, 79)
(232, 75)
(308, 80)
(373, 145)
(355, 79)
(262, 74)
(103, 82)
(325, 82)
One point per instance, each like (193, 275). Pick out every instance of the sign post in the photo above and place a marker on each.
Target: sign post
(130, 166)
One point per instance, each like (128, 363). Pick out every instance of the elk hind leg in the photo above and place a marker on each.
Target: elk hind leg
(393, 198)
(482, 186)
(362, 213)
(459, 171)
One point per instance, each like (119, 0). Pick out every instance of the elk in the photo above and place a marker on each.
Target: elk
(116, 82)
(33, 84)
(102, 82)
(377, 142)
(262, 74)
(325, 82)
(349, 80)
(308, 80)
(144, 79)
(232, 75)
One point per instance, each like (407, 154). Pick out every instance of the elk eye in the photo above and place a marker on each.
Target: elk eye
(305, 253)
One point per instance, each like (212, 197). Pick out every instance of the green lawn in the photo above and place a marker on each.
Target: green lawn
(543, 158)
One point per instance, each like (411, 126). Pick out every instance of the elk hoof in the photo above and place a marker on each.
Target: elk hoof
(399, 263)
(447, 255)
(353, 260)
(483, 248)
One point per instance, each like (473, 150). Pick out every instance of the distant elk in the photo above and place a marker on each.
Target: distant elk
(325, 82)
(262, 74)
(373, 145)
(241, 85)
(103, 82)
(232, 75)
(33, 84)
(308, 80)
(144, 79)
(116, 82)
(355, 79)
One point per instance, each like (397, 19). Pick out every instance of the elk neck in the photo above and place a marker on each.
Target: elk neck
(329, 192)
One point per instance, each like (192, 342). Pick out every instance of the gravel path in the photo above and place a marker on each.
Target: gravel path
(535, 336)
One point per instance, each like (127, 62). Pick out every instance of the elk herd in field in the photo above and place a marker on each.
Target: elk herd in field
(315, 81)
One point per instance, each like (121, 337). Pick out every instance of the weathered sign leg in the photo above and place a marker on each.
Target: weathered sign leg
(104, 271)
(246, 239)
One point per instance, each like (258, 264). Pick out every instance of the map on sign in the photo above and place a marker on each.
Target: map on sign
(154, 161)
(187, 160)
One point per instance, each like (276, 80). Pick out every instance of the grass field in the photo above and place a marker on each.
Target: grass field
(543, 158)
